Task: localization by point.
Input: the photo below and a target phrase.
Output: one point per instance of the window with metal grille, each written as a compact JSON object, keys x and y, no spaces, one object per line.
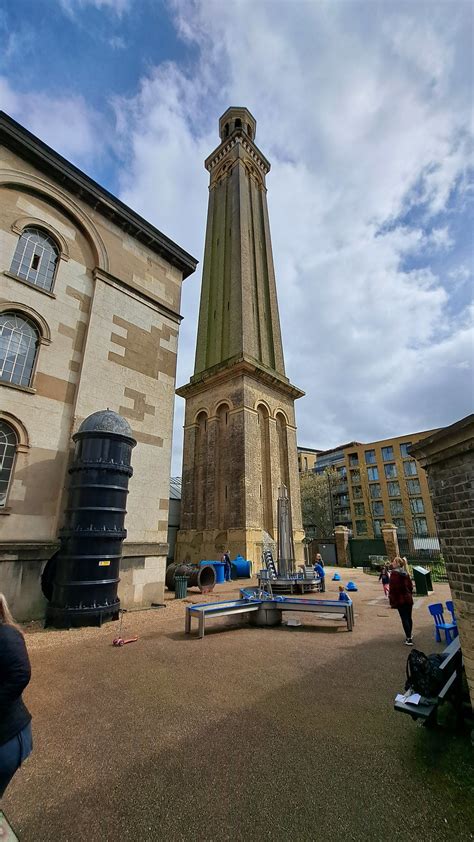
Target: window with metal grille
{"x":390,"y":470}
{"x":353,"y":459}
{"x":18,"y":346}
{"x":370,"y":457}
{"x":375,"y":490}
{"x":359,"y":508}
{"x":361,"y":527}
{"x":35,"y":259}
{"x":387,"y":453}
{"x":8,"y":443}
{"x":393,"y":489}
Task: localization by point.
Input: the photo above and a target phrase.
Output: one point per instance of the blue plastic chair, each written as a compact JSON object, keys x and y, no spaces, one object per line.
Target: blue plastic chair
{"x":450,"y":607}
{"x":436,"y":611}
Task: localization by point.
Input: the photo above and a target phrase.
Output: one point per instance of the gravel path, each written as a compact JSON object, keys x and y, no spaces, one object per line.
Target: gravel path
{"x":249,"y":734}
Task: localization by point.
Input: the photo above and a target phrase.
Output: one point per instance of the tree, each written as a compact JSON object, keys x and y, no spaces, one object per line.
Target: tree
{"x":316,"y":503}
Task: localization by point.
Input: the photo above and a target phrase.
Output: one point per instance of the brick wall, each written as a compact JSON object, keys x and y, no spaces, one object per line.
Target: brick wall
{"x":448,"y":458}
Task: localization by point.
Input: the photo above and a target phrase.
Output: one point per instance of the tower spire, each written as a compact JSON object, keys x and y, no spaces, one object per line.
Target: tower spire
{"x":240,"y":434}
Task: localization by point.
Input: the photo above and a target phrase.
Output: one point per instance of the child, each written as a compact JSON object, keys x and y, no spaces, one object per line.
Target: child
{"x":385,"y":579}
{"x":343,"y":597}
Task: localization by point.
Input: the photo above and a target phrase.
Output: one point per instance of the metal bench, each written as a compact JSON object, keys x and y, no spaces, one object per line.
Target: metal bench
{"x":427,"y":709}
{"x":216,"y":609}
{"x":248,"y":604}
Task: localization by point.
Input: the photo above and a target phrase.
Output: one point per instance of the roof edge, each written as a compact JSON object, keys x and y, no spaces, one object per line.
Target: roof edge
{"x":15,"y":137}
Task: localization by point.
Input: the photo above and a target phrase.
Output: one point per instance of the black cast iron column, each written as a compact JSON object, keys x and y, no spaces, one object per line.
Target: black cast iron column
{"x":86,"y":571}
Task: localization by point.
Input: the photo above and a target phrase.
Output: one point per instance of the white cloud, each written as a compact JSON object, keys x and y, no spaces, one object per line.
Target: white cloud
{"x":67,"y":123}
{"x":117,"y":42}
{"x":118,"y":7}
{"x":363,"y":109}
{"x":363,"y":117}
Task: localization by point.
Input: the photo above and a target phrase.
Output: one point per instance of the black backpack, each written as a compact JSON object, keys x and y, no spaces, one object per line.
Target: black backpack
{"x":424,"y":675}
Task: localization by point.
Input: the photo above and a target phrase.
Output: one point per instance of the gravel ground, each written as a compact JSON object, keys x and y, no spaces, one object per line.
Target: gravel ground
{"x":249,"y":734}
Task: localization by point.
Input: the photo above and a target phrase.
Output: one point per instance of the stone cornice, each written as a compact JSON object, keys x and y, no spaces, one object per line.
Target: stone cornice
{"x":238,"y":137}
{"x":445,"y":444}
{"x":235,"y":368}
{"x":138,"y":293}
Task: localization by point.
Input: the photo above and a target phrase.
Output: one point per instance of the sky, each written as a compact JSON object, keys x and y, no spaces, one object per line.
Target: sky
{"x":364,"y":110}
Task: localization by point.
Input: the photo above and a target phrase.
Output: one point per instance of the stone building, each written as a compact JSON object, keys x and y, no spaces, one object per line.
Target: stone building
{"x":89,"y":317}
{"x":448,"y":459}
{"x":240,"y":432}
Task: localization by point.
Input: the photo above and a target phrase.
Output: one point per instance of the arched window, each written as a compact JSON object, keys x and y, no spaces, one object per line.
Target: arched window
{"x":8,"y":443}
{"x":19,"y":339}
{"x":35,"y":259}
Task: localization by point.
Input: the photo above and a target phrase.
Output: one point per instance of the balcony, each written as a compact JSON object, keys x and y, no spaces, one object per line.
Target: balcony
{"x":339,"y":487}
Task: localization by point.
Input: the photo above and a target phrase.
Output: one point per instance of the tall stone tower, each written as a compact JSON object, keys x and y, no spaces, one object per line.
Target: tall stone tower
{"x":239,"y":430}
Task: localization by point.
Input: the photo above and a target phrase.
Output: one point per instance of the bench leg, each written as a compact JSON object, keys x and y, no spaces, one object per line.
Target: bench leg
{"x":201,"y":624}
{"x":187,"y":622}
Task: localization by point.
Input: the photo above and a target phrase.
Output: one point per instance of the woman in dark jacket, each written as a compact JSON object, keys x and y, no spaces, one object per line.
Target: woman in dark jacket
{"x":401,"y":595}
{"x":15,"y":719}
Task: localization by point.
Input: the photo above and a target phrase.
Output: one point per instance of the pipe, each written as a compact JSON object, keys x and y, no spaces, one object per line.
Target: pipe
{"x":202,"y":577}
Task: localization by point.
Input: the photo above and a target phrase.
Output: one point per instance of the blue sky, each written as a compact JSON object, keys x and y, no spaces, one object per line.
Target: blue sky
{"x":364,"y":110}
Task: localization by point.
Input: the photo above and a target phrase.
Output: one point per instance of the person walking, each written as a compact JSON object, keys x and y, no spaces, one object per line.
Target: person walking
{"x":227,"y":569}
{"x":385,"y":579}
{"x":401,"y":595}
{"x":15,"y":719}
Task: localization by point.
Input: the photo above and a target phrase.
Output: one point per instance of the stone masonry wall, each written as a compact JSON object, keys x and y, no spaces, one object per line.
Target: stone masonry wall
{"x":448,"y":458}
{"x":451,"y":484}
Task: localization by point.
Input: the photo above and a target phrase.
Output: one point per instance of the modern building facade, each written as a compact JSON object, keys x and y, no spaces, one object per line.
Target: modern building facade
{"x":307,"y":458}
{"x":89,"y":318}
{"x":379,"y":482}
{"x":239,"y":432}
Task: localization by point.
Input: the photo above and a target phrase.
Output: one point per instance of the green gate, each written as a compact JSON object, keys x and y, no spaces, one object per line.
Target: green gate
{"x":361,"y":548}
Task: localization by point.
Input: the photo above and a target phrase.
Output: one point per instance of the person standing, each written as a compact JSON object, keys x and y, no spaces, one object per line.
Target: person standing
{"x":385,"y":579}
{"x":15,"y":719}
{"x":227,"y":569}
{"x":319,"y":559}
{"x":401,"y":595}
{"x":319,"y":570}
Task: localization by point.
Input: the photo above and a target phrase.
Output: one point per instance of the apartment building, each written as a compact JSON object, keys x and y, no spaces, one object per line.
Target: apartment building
{"x":379,"y":482}
{"x":307,"y":458}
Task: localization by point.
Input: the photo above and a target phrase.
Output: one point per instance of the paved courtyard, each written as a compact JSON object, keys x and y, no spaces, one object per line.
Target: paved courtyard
{"x":249,"y":734}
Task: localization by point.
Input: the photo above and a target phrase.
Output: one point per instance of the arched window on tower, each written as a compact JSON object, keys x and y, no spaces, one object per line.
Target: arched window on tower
{"x":238,"y":123}
{"x":8,"y":445}
{"x":36,"y":258}
{"x":226,"y":130}
{"x":19,"y":341}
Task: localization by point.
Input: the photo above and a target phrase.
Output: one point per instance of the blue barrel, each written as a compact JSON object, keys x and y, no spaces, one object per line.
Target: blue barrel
{"x":240,"y":568}
{"x":219,"y":567}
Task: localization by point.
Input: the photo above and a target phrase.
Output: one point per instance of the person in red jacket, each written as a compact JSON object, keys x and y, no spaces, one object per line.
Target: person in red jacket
{"x":15,"y":718}
{"x":401,"y":595}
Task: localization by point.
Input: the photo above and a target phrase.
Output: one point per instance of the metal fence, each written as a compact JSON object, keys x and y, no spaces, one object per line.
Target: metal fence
{"x":419,"y":550}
